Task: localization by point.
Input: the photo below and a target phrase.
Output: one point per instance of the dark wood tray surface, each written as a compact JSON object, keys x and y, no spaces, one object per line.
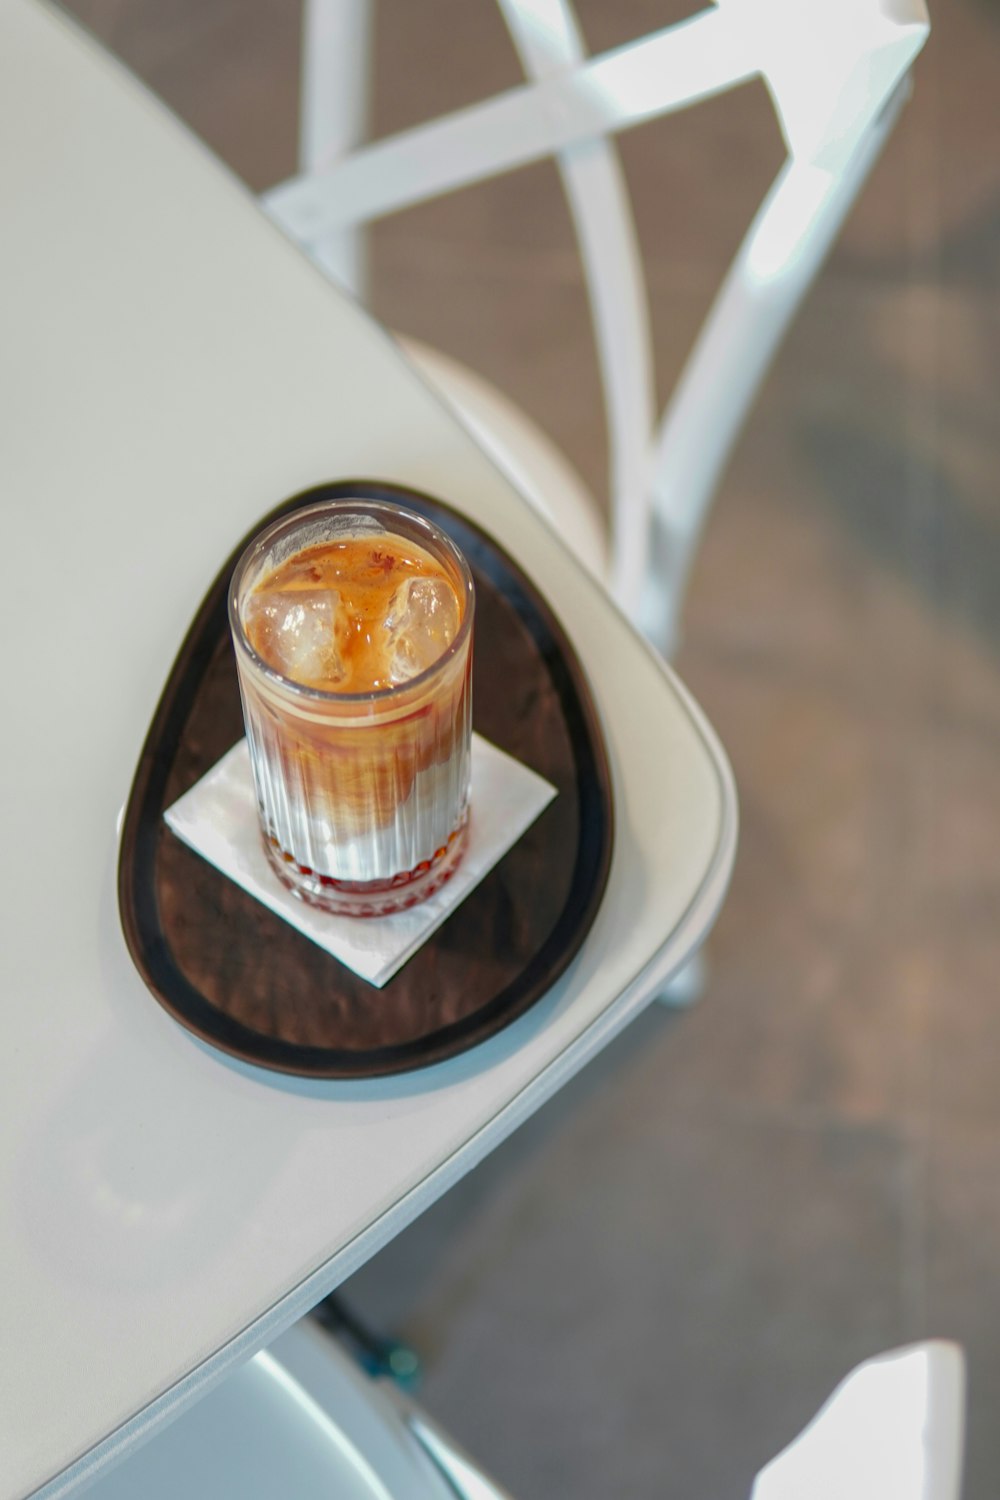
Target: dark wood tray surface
{"x":242,"y":979}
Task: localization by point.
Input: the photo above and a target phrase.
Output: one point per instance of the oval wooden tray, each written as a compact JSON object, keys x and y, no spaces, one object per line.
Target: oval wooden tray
{"x":242,"y":979}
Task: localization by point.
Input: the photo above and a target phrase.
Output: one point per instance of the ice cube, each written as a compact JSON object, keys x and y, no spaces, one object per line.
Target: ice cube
{"x":422,"y":622}
{"x":295,"y":631}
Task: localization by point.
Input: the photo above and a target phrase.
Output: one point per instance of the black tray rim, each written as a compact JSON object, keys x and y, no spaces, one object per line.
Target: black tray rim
{"x":138,"y":909}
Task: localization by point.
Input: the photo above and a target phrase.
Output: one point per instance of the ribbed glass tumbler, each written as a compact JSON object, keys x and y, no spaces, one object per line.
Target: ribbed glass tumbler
{"x":363,"y":796}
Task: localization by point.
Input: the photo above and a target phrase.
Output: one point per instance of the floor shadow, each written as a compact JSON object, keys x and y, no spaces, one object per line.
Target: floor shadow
{"x":912,"y":517}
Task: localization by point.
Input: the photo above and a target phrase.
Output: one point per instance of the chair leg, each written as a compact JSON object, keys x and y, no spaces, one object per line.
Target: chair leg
{"x":337,"y":40}
{"x":688,"y":984}
{"x":375,"y":1352}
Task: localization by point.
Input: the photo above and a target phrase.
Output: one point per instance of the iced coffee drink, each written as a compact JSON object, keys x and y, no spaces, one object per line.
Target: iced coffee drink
{"x":352,"y":621}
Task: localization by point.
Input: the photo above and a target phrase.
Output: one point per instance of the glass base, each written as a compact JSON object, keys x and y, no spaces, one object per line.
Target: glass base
{"x":369,"y":898}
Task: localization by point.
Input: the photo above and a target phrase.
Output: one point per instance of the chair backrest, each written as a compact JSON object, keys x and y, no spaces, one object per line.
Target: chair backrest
{"x":894,"y":1426}
{"x":836,"y":72}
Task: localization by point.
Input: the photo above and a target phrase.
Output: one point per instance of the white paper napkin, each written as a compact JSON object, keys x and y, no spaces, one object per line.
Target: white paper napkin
{"x":218,"y":818}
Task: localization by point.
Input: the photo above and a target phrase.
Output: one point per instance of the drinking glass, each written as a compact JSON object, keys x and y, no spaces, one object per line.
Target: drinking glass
{"x":363,"y":797}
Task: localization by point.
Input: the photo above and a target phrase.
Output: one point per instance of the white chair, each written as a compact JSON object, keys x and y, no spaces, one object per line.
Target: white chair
{"x":836,"y":71}
{"x":893,"y":1427}
{"x":303,"y":1420}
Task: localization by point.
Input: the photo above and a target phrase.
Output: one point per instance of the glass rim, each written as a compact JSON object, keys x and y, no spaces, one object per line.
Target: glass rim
{"x":359,"y":506}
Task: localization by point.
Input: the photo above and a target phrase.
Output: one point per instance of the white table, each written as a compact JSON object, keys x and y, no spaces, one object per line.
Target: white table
{"x":169,"y":368}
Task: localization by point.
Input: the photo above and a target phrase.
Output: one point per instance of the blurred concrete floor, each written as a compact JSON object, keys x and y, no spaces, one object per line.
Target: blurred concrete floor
{"x":653,"y":1285}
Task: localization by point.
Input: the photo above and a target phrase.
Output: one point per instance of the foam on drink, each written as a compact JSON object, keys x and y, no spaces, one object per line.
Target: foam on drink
{"x":354,"y":615}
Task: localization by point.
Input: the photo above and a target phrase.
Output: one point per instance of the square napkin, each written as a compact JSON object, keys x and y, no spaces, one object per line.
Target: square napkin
{"x":217,"y":817}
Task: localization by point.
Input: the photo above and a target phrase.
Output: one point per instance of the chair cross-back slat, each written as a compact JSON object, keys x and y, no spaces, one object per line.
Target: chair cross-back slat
{"x":666,"y":71}
{"x":548,"y":41}
{"x":771,"y":273}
